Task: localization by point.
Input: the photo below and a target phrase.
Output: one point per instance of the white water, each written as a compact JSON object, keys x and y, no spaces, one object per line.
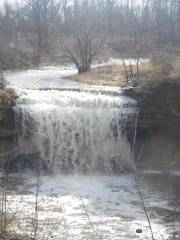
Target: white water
{"x":80,"y":129}
{"x":76,"y":131}
{"x":72,"y":127}
{"x":112,"y":207}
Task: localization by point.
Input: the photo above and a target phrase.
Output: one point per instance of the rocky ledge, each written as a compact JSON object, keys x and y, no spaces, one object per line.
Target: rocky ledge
{"x":7,"y":124}
{"x":158,"y":126}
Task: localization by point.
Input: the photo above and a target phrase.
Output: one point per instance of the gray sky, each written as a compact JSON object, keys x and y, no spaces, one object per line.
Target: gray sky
{"x":21,"y":1}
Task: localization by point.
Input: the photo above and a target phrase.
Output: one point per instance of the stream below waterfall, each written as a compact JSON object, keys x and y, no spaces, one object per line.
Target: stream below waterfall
{"x":82,"y":137}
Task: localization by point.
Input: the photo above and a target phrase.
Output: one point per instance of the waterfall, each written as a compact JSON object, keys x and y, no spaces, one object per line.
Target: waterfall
{"x":75,"y":131}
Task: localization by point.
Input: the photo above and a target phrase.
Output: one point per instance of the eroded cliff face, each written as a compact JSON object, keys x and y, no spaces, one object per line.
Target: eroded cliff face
{"x":158,"y":126}
{"x":7,"y":125}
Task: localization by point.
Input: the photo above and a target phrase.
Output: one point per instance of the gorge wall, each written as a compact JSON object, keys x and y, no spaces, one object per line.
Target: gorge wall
{"x":7,"y":125}
{"x":158,"y":126}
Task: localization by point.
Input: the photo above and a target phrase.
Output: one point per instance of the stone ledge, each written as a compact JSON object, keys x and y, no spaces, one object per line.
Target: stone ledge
{"x":7,"y":124}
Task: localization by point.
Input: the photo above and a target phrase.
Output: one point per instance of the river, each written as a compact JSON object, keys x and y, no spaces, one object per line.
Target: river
{"x":82,"y":137}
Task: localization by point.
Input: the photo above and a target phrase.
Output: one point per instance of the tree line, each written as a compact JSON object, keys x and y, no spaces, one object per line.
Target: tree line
{"x":36,"y":31}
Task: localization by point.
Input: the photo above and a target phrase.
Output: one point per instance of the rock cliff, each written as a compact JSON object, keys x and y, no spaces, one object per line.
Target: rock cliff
{"x":158,"y":126}
{"x":7,"y":124}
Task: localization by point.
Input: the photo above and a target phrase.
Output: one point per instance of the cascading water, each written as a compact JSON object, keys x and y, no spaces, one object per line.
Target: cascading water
{"x":75,"y":128}
{"x":75,"y":131}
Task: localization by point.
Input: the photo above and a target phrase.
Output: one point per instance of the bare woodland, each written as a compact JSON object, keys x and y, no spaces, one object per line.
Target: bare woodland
{"x":40,"y":31}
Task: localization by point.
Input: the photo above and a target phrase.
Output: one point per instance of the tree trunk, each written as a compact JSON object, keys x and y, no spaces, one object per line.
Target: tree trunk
{"x":82,"y":70}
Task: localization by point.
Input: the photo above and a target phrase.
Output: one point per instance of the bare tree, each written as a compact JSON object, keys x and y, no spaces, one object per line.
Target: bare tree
{"x":81,"y":43}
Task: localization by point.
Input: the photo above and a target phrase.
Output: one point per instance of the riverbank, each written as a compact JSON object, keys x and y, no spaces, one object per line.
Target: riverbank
{"x":111,"y":73}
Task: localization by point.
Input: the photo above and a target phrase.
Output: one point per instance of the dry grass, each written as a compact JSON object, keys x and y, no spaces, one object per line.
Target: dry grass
{"x":160,"y":69}
{"x":165,"y":66}
{"x":13,"y":236}
{"x":111,"y":75}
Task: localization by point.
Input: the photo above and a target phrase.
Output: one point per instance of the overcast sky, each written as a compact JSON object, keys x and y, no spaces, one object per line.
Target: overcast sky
{"x":21,"y":1}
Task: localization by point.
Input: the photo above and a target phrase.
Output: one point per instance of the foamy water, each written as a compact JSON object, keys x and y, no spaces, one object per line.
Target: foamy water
{"x":93,"y":207}
{"x":76,"y":131}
